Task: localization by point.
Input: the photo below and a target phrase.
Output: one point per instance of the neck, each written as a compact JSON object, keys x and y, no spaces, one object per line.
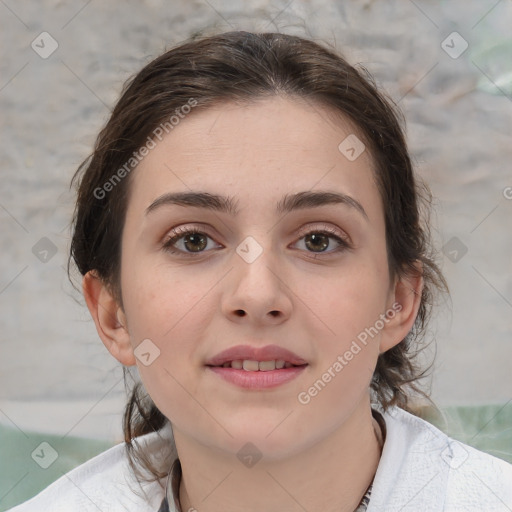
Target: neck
{"x":332,"y":475}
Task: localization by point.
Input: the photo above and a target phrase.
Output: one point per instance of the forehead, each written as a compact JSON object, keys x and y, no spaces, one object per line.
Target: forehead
{"x":260,"y":149}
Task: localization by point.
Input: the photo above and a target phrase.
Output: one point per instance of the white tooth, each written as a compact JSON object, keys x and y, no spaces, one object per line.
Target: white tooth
{"x":288,"y":365}
{"x":267,"y":365}
{"x":279,"y":364}
{"x":250,"y":365}
{"x":237,"y":364}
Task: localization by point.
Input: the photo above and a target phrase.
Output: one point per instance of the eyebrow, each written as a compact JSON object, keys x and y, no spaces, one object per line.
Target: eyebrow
{"x":226,"y":204}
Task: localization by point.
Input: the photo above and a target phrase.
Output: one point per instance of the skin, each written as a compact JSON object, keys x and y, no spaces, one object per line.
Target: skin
{"x":319,"y":456}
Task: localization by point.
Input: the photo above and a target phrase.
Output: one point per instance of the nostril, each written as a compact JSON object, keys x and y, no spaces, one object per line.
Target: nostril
{"x":240,"y":312}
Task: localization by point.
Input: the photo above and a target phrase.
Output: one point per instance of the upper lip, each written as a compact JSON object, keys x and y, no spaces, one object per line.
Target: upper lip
{"x":266,"y":353}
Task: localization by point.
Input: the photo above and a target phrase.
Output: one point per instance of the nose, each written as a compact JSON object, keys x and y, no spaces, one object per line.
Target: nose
{"x":257,"y":291}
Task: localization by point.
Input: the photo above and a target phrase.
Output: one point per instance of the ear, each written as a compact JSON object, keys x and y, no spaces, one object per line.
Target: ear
{"x":109,"y":318}
{"x":403,"y":305}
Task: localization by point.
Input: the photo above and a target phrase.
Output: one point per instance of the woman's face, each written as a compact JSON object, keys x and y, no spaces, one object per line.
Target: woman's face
{"x":267,"y":274}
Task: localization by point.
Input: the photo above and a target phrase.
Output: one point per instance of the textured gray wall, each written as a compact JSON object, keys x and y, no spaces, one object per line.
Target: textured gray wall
{"x":55,"y":373}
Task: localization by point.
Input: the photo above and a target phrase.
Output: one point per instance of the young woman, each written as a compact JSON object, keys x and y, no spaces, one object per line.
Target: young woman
{"x":249,"y":233}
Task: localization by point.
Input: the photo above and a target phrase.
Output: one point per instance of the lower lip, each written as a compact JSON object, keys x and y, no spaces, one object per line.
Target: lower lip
{"x":258,"y":380}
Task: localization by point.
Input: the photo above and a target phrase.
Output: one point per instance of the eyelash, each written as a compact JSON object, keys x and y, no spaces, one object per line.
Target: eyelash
{"x":179,"y":233}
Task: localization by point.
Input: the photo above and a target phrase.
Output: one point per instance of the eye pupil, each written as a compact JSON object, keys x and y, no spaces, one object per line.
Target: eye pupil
{"x":315,"y":238}
{"x":194,"y":238}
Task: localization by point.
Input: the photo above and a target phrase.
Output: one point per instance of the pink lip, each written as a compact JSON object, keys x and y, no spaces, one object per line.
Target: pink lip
{"x":266,"y":353}
{"x":257,"y":379}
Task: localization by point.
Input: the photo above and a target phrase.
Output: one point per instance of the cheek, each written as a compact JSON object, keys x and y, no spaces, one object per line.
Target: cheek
{"x":351,"y":300}
{"x":170,"y":311}
{"x":350,"y":306}
{"x":160,"y":301}
{"x":347,"y":351}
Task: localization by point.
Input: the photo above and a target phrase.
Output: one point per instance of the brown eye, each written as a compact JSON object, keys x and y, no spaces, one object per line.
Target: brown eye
{"x":317,"y":242}
{"x":195,"y":242}
{"x":187,"y":241}
{"x":321,"y":241}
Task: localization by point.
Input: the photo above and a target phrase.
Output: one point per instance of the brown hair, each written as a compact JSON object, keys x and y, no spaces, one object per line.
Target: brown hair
{"x":241,"y":66}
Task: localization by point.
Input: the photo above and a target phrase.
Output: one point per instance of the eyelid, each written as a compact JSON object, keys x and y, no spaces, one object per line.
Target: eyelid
{"x":183,"y":229}
{"x":179,"y":232}
{"x":305,"y":230}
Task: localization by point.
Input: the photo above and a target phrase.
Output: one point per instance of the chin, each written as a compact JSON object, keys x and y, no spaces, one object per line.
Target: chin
{"x":271,"y":443}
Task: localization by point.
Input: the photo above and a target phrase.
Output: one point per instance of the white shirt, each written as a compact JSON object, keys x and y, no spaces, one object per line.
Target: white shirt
{"x":421,"y":469}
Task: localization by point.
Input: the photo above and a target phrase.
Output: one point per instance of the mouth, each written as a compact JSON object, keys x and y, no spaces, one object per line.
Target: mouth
{"x":251,"y":365}
{"x":257,"y":368}
{"x":250,"y":358}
